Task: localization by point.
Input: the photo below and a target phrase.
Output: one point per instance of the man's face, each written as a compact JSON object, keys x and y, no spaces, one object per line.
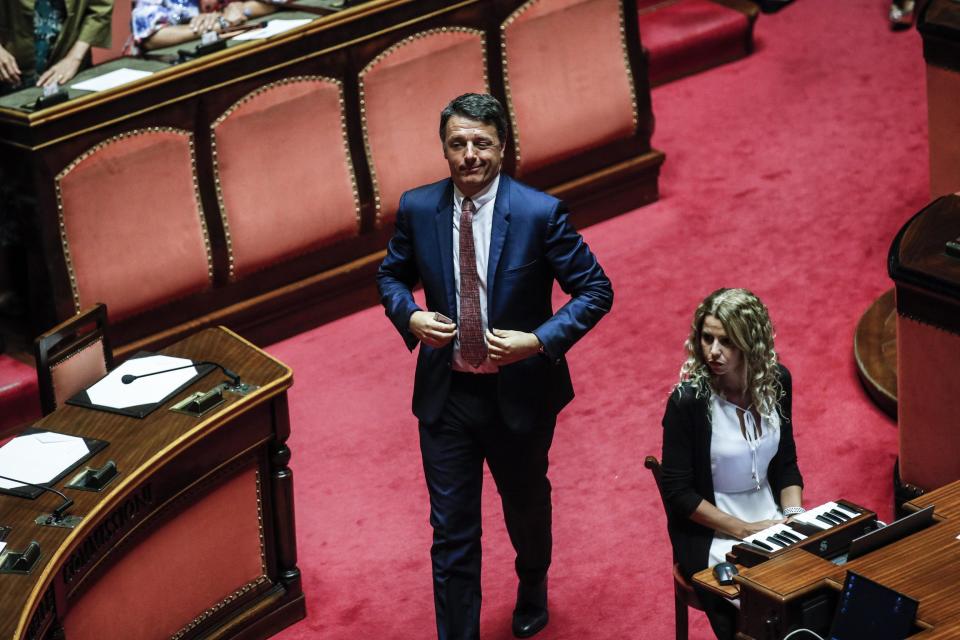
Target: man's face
{"x":474,"y":152}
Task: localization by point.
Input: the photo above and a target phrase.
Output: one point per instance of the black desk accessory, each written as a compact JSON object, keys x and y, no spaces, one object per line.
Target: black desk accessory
{"x":201,"y":50}
{"x":21,"y":562}
{"x":44,"y":101}
{"x":96,"y":480}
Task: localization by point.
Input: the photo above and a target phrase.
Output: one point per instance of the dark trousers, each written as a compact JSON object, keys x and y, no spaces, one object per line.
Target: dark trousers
{"x":469,"y":431}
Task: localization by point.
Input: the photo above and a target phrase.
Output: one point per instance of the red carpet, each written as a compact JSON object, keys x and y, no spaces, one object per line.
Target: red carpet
{"x":788,"y":173}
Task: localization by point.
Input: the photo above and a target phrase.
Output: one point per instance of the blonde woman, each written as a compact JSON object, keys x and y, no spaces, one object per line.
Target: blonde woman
{"x":729,"y":458}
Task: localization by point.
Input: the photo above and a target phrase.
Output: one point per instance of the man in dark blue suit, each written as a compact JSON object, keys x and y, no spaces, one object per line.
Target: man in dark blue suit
{"x":491,"y":375}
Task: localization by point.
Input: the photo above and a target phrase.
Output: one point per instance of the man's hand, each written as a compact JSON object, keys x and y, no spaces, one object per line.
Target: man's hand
{"x":506,"y":347}
{"x":430,"y":331}
{"x":9,"y":69}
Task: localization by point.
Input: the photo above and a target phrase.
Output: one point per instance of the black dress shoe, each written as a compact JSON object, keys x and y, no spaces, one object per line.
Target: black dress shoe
{"x":530,"y":615}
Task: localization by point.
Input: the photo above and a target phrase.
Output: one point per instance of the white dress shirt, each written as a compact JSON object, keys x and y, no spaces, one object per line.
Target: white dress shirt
{"x":482,"y":228}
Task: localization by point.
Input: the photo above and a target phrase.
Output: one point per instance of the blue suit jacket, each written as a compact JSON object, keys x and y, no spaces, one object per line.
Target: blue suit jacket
{"x":531,"y":245}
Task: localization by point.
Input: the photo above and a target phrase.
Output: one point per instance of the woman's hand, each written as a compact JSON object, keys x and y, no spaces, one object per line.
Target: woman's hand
{"x":204,"y":22}
{"x":750,"y":528}
{"x":234,"y":13}
{"x":60,"y":73}
{"x":9,"y":69}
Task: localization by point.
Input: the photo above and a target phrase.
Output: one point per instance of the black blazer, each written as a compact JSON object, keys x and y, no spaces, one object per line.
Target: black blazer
{"x":532,"y":244}
{"x":687,"y":477}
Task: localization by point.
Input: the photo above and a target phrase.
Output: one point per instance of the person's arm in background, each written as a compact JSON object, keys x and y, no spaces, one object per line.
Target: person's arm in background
{"x":239,"y":12}
{"x":9,"y":69}
{"x":94,"y":31}
{"x":233,"y":14}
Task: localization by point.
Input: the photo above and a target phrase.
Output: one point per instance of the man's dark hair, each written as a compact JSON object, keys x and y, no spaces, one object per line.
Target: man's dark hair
{"x":476,"y":106}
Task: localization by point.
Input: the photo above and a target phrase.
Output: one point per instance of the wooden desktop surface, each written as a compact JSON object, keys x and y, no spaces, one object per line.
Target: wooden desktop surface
{"x":142,"y":449}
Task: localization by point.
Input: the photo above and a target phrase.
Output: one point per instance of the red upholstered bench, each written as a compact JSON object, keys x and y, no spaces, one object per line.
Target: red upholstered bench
{"x":19,"y":397}
{"x":687,"y":36}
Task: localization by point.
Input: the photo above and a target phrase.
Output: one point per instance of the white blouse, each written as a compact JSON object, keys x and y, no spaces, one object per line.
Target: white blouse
{"x":739,"y":461}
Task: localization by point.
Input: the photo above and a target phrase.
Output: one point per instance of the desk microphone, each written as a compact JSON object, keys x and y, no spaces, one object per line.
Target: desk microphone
{"x":234,"y":378}
{"x":57,"y":514}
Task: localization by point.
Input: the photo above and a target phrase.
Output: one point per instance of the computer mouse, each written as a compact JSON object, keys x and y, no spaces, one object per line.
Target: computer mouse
{"x":724,"y":572}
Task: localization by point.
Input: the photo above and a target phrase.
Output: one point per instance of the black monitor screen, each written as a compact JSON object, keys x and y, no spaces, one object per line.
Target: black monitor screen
{"x":870,"y":610}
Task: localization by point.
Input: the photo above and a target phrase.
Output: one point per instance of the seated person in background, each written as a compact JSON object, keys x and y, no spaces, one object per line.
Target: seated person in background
{"x":43,"y":42}
{"x":729,"y":459}
{"x":163,"y":23}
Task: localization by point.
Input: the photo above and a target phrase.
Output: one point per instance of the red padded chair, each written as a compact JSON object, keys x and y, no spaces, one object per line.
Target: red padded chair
{"x":130,"y":215}
{"x":119,"y":32}
{"x":583,"y":43}
{"x":683,"y":594}
{"x":427,"y":69}
{"x":277,"y":209}
{"x":72,"y":356}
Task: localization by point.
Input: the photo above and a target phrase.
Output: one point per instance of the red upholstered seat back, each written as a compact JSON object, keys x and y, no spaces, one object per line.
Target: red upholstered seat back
{"x":184,"y":571}
{"x":559,"y":58}
{"x":134,"y":262}
{"x":402,"y":93}
{"x":284,"y":174}
{"x":77,"y":371}
{"x":119,"y":32}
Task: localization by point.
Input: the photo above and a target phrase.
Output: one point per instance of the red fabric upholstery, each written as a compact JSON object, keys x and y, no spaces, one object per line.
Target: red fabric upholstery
{"x":19,"y":402}
{"x":115,"y":254}
{"x":403,"y":91}
{"x":928,"y":384}
{"x":689,"y":35}
{"x":277,"y":209}
{"x":119,"y":32}
{"x":187,"y":566}
{"x":77,"y":371}
{"x":588,"y":101}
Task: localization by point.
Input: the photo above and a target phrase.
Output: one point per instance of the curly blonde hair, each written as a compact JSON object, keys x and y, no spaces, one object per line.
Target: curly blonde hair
{"x":747,"y":323}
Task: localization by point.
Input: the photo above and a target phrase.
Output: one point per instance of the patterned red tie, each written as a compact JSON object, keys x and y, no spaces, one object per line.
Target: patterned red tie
{"x":473,"y":348}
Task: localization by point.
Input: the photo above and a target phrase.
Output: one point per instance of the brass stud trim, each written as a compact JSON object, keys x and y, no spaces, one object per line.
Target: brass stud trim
{"x":224,"y":217}
{"x":363,"y":101}
{"x":64,"y":241}
{"x":511,"y":111}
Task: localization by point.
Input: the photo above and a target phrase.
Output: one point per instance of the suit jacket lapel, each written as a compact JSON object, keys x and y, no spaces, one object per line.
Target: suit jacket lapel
{"x":498,"y":237}
{"x":444,"y":226}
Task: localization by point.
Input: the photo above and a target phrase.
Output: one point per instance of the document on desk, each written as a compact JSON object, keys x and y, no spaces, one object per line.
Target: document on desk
{"x":111,"y":80}
{"x":111,"y":391}
{"x":40,"y":457}
{"x":273,"y":28}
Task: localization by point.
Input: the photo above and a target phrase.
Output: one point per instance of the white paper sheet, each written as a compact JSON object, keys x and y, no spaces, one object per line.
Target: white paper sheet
{"x":111,"y":80}
{"x":112,"y":392}
{"x":39,"y":457}
{"x":3,"y":545}
{"x":273,"y":28}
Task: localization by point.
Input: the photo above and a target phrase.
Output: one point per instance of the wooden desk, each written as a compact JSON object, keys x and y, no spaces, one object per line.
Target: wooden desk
{"x":194,"y":538}
{"x":799,"y":589}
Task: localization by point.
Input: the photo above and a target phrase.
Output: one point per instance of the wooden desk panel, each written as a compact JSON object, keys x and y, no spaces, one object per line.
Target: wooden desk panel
{"x":168,"y":462}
